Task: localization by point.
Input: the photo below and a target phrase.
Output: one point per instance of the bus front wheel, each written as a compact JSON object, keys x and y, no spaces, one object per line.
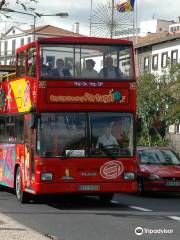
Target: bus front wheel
{"x":106,"y":198}
{"x":21,"y":196}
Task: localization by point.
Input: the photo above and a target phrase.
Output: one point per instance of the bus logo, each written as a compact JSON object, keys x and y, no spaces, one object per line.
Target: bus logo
{"x":111,"y":169}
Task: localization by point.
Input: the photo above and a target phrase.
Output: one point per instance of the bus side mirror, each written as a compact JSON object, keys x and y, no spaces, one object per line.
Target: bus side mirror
{"x":33,"y":120}
{"x":138,"y":124}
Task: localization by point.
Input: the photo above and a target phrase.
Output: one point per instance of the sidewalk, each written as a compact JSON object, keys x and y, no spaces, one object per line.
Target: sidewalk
{"x":12,"y":230}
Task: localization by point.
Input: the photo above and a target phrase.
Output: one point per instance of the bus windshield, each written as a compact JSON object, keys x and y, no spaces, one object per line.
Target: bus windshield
{"x":85,"y":134}
{"x":86,"y":61}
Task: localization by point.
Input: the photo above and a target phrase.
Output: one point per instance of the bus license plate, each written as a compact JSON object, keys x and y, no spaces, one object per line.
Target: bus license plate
{"x":173,"y":183}
{"x":89,"y":188}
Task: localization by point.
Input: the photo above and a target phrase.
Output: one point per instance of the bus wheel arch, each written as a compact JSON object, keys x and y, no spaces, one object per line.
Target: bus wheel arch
{"x":15,"y":170}
{"x":20,"y":194}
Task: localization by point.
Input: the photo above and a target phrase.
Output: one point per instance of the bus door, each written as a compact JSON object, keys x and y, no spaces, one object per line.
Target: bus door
{"x":28,"y":153}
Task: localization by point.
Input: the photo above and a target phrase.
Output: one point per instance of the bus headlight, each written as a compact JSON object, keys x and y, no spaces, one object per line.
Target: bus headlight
{"x":129,"y":176}
{"x":46,"y":176}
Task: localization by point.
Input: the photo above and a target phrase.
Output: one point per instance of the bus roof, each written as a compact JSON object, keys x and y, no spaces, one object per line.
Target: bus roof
{"x":85,"y":40}
{"x":70,"y":39}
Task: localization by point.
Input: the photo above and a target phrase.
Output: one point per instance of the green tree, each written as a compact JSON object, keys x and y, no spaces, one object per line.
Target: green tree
{"x":158,"y":104}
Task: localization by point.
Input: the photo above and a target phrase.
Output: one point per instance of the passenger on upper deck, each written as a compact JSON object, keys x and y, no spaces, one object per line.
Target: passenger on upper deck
{"x":49,"y":66}
{"x":60,"y":71}
{"x":109,"y":71}
{"x":88,"y":71}
{"x":43,"y":66}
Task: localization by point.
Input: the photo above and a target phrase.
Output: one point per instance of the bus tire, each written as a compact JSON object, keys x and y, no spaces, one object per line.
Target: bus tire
{"x":140,"y":184}
{"x":106,"y":198}
{"x":22,"y":197}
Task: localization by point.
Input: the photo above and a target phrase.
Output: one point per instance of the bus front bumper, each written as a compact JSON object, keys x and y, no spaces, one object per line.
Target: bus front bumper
{"x":59,"y":188}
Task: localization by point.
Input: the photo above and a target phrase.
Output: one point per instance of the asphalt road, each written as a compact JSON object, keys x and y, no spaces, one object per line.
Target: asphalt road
{"x":157,"y":216}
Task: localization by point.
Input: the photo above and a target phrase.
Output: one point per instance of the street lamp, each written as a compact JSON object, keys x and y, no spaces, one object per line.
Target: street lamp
{"x":35,"y":15}
{"x":57,"y":14}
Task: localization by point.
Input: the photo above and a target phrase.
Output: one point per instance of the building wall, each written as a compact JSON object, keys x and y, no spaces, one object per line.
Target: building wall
{"x":163,"y":26}
{"x":168,"y":47}
{"x":174,"y":141}
{"x":158,"y":49}
{"x":148,"y":26}
{"x":154,"y":26}
{"x":10,"y":54}
{"x":142,"y":54}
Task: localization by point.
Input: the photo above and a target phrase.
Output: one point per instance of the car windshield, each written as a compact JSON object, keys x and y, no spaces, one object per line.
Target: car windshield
{"x":85,"y":134}
{"x":158,"y":156}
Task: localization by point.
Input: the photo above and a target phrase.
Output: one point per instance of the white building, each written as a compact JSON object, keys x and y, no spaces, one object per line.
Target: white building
{"x":154,"y":53}
{"x":154,"y":26}
{"x":16,"y":37}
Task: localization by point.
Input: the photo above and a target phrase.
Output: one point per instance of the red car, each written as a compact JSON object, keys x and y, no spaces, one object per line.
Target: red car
{"x":159,"y":170}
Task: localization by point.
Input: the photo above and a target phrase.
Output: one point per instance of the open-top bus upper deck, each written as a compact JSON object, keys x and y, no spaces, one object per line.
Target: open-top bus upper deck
{"x":42,"y":87}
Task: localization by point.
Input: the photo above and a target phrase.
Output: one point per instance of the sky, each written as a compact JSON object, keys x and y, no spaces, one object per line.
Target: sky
{"x":79,"y":11}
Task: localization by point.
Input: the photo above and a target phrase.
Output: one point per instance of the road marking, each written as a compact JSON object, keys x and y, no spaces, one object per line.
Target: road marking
{"x":141,"y":209}
{"x":174,"y":218}
{"x":115,"y":202}
{"x":134,"y":207}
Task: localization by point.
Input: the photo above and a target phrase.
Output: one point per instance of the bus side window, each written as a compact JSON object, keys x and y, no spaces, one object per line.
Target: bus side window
{"x":32,"y":70}
{"x":10,"y":128}
{"x":31,"y":64}
{"x":21,"y":64}
{"x":2,"y":129}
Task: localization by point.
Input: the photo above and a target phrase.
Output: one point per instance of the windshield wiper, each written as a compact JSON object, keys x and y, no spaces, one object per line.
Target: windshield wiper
{"x":66,"y":155}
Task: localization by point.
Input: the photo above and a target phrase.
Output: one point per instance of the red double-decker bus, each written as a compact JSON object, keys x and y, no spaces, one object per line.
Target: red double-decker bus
{"x":67,"y":118}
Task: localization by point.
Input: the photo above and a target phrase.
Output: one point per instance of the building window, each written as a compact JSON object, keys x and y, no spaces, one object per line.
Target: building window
{"x":13,"y":47}
{"x":155,"y":62}
{"x":171,"y":128}
{"x":164,"y":59}
{"x":22,"y":41}
{"x":174,"y":57}
{"x":11,"y":128}
{"x":171,"y":29}
{"x":146,"y":63}
{"x":5,"y":48}
{"x":28,"y":39}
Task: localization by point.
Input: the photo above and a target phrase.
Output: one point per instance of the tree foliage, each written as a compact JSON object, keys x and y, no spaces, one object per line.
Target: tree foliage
{"x":24,"y":4}
{"x":158,"y":104}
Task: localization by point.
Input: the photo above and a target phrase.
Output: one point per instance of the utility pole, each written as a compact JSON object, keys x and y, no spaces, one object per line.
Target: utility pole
{"x":112,"y":20}
{"x":90,"y":30}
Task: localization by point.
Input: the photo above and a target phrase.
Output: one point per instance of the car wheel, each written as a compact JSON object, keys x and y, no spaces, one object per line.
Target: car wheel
{"x":21,"y":196}
{"x":140,"y":186}
{"x":106,"y":198}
